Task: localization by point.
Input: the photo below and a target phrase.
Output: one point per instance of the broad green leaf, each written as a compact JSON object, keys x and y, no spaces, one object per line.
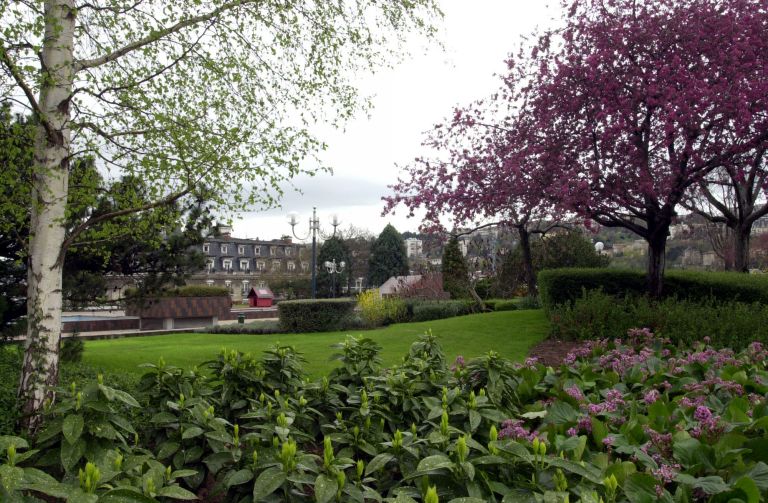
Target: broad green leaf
{"x":378,"y":462}
{"x":561,"y":413}
{"x":8,"y":440}
{"x":640,"y":488}
{"x":432,"y":463}
{"x":125,"y":495}
{"x":750,"y":489}
{"x":325,"y":488}
{"x":176,"y":492}
{"x":72,"y":453}
{"x":192,"y":432}
{"x":267,"y":482}
{"x":238,"y":477}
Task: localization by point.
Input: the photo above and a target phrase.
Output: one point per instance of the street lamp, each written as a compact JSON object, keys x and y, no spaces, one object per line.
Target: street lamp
{"x":599,"y":247}
{"x":314,"y":229}
{"x":334,"y":269}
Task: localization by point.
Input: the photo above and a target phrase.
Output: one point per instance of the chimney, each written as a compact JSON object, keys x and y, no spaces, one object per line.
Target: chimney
{"x":225,"y":231}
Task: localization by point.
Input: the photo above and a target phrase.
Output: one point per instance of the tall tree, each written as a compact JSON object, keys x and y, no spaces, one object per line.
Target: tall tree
{"x":329,"y":284}
{"x":638,"y":101}
{"x":177,"y":93}
{"x":484,"y":171}
{"x":734,"y":196}
{"x":455,"y":270}
{"x":388,"y":257}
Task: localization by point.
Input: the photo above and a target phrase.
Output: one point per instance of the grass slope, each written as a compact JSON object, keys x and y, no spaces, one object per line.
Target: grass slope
{"x":510,"y":333}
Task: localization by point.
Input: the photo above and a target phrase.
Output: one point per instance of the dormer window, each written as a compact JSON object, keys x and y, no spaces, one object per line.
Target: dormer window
{"x":209,"y":264}
{"x":275,"y":265}
{"x":261,"y":265}
{"x":245,"y":265}
{"x":223,"y":248}
{"x":241,"y":250}
{"x":206,"y":248}
{"x":227,"y":264}
{"x":272,"y":250}
{"x":257,"y":250}
{"x":287,"y":251}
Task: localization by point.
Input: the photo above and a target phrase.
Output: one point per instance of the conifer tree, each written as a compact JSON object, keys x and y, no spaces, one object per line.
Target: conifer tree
{"x":455,"y":271}
{"x":388,"y":257}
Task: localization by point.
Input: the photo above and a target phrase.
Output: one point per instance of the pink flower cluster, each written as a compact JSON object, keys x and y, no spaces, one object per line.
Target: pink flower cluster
{"x":713,"y":383}
{"x":709,"y":423}
{"x":514,"y":429}
{"x":575,"y":393}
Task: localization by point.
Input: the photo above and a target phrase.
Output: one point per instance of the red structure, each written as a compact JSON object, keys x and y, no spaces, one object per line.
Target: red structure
{"x":260,"y":297}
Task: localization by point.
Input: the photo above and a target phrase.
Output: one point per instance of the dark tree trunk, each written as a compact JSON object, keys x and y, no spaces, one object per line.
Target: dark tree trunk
{"x":657,"y":245}
{"x":741,"y":247}
{"x":530,"y":274}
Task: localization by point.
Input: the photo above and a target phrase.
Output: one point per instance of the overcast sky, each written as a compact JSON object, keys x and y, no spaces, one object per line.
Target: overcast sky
{"x":477,"y":35}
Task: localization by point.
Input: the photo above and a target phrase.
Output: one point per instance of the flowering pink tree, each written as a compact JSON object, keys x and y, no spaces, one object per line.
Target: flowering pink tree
{"x":638,"y":100}
{"x":482,"y":172}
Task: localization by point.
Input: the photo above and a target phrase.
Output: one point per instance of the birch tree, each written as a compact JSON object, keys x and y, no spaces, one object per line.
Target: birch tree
{"x":220,"y":93}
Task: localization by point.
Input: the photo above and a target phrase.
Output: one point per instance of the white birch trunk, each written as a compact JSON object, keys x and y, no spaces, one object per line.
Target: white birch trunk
{"x":47,"y":226}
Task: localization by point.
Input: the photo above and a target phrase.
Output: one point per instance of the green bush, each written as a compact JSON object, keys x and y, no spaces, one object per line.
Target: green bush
{"x":597,"y":315}
{"x":438,"y":310}
{"x":72,"y":349}
{"x":259,"y":327}
{"x":185,"y":291}
{"x":314,"y":315}
{"x":376,"y":311}
{"x":560,"y":286}
{"x":10,"y":365}
{"x":505,"y":305}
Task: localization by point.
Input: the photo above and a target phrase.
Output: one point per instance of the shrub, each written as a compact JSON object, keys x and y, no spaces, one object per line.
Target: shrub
{"x":505,"y":305}
{"x":376,"y":310}
{"x":313,"y":315}
{"x":10,"y":365}
{"x":599,"y":315}
{"x":259,"y":327}
{"x":184,"y":291}
{"x":438,"y":310}
{"x":559,"y":286}
{"x":72,"y":349}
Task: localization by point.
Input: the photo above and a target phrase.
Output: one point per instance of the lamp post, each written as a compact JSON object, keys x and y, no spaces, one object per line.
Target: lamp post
{"x":334,"y":269}
{"x":314,"y":227}
{"x":599,"y":247}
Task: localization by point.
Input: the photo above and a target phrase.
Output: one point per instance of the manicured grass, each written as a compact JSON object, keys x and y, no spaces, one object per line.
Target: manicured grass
{"x":510,"y":333}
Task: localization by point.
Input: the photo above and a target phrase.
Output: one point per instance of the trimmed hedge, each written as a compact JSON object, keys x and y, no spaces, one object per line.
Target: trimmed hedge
{"x":562,"y":286}
{"x":596,"y":315}
{"x":185,"y":291}
{"x":323,"y":315}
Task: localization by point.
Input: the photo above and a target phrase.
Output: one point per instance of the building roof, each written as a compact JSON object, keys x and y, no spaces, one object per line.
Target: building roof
{"x":261,"y":293}
{"x":395,"y":283}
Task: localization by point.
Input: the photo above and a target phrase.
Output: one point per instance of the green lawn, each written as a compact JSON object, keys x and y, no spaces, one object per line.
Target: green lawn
{"x":510,"y":333}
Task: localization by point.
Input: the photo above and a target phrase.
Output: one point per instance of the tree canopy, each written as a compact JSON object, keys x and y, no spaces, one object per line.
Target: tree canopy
{"x":388,"y":257}
{"x":455,"y":271}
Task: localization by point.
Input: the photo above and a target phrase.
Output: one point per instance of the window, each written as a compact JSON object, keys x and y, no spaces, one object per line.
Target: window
{"x":304,"y":266}
{"x":226,"y":264}
{"x":287,"y":251}
{"x":241,"y":250}
{"x":223,"y":248}
{"x":257,"y":250}
{"x":272,"y":251}
{"x":275,"y":265}
{"x":206,"y":248}
{"x":245,"y":265}
{"x":228,"y":284}
{"x":262,"y":284}
{"x":246,"y":286}
{"x":209,"y":282}
{"x":261,"y":265}
{"x":291,"y":266}
{"x":209,"y":264}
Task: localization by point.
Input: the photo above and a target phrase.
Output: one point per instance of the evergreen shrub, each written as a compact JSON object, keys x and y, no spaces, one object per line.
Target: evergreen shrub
{"x":321,"y":315}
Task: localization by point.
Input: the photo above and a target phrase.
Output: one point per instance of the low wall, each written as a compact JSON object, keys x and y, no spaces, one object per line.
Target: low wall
{"x":70,"y":327}
{"x":253,"y":314}
{"x":181,"y":307}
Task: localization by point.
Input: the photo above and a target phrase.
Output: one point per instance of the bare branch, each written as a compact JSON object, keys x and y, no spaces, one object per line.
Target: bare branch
{"x":14,"y":71}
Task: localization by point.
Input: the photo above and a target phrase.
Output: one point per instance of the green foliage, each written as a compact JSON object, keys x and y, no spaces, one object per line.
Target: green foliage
{"x":254,"y":327}
{"x":388,"y":257}
{"x":72,"y":349}
{"x":622,"y":421}
{"x":313,"y":315}
{"x":597,"y":315}
{"x":559,"y":286}
{"x":439,"y":309}
{"x":377,"y":311}
{"x":184,"y":291}
{"x":570,"y":249}
{"x":455,"y":271}
{"x":330,"y":285}
{"x":10,"y":365}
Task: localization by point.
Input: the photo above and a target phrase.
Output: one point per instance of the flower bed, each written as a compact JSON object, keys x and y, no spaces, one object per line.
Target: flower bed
{"x":632,"y":419}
